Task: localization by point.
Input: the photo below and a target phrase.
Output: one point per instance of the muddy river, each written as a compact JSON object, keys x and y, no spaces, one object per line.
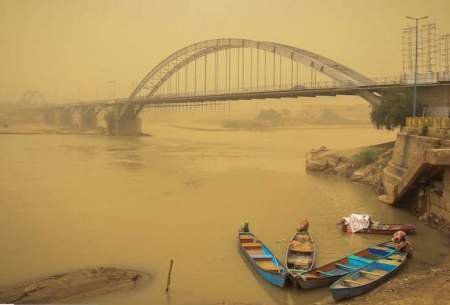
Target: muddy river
{"x":69,"y":202}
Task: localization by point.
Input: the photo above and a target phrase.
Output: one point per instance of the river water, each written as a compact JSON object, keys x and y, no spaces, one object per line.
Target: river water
{"x":70,"y":202}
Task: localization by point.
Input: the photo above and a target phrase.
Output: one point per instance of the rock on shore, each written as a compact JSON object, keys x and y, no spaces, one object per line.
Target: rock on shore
{"x":336,"y":163}
{"x":73,"y":285}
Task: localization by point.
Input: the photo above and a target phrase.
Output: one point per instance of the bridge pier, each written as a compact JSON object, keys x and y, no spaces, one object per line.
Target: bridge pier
{"x":48,"y":116}
{"x":436,"y":100}
{"x":64,"y":117}
{"x":88,"y":118}
{"x":123,"y":120}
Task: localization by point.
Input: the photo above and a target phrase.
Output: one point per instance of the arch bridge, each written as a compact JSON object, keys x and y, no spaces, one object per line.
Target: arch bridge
{"x":235,"y":69}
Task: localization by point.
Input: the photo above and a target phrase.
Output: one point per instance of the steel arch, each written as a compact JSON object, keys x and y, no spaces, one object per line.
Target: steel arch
{"x":342,"y":74}
{"x":32,"y":98}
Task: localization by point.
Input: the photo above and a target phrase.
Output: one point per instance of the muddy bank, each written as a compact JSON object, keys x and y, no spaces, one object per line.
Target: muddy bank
{"x":73,"y":286}
{"x":362,"y":165}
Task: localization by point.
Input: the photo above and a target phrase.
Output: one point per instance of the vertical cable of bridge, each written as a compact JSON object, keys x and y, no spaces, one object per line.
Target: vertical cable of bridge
{"x":206,"y":54}
{"x":243,"y":64}
{"x":217,"y":65}
{"x":185,"y":79}
{"x":315,"y":78}
{"x":178,"y":83}
{"x":273,"y":76}
{"x":311,"y":80}
{"x":280,"y":70}
{"x":296,"y":62}
{"x":265,"y":69}
{"x":226,"y":70}
{"x":228,"y":80}
{"x":292,"y":69}
{"x":195,"y":71}
{"x":257,"y":67}
{"x":238,"y":67}
{"x":251,"y":67}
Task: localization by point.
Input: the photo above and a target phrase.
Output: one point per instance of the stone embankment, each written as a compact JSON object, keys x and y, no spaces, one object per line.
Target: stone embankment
{"x":345,"y":164}
{"x":73,"y":285}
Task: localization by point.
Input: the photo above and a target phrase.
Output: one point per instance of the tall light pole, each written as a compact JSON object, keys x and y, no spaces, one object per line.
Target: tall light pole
{"x":415,"y":61}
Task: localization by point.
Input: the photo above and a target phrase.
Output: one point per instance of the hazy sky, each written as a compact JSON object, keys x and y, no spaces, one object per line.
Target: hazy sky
{"x":63,"y":47}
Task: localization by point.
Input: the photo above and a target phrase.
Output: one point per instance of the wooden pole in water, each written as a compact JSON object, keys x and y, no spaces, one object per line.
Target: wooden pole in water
{"x":169,"y":275}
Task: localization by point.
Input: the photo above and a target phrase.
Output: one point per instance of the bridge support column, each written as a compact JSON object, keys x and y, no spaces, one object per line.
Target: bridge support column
{"x":48,"y":116}
{"x":64,"y":117}
{"x":88,"y":118}
{"x":123,"y":120}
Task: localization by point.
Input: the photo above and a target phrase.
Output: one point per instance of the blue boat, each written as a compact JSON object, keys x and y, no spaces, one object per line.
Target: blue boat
{"x":262,"y":260}
{"x":327,"y":274}
{"x":361,"y":281}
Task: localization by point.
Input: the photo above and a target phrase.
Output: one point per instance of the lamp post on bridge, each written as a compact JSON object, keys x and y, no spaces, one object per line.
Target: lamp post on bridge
{"x":415,"y":61}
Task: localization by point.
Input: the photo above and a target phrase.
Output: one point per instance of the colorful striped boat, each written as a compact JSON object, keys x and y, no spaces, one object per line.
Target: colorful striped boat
{"x":327,"y":274}
{"x":361,"y":281}
{"x":262,"y":260}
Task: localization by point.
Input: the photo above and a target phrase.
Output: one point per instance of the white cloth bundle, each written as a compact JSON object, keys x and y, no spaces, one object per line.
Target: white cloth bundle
{"x":357,"y":222}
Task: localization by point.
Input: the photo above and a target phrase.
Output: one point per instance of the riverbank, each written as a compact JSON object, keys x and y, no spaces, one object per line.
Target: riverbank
{"x":429,"y":287}
{"x":362,"y":165}
{"x":73,"y":286}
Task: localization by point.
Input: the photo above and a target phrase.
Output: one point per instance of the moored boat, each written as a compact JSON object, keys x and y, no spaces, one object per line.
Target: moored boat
{"x":262,"y":260}
{"x":301,"y":253}
{"x":327,"y":274}
{"x":388,"y":229}
{"x":362,"y":223}
{"x":361,"y":281}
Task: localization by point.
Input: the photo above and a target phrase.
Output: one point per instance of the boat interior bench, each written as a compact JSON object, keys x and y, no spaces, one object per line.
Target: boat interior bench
{"x":346,"y":267}
{"x":333,"y":272}
{"x":361,"y":259}
{"x":251,"y":245}
{"x":261,"y":256}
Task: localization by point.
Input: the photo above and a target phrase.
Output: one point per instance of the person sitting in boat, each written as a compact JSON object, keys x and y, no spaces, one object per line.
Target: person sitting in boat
{"x":304,"y":224}
{"x":244,"y":227}
{"x":401,"y":241}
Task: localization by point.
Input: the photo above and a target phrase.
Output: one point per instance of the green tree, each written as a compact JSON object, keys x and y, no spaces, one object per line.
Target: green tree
{"x":393,"y":110}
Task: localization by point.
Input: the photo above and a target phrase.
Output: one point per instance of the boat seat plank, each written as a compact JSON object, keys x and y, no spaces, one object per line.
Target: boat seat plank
{"x":352,"y":282}
{"x":261,"y":256}
{"x":325,"y":273}
{"x":251,"y":245}
{"x":346,"y":266}
{"x":359,"y":258}
{"x":268,"y":266}
{"x":389,"y":262}
{"x":369,"y":273}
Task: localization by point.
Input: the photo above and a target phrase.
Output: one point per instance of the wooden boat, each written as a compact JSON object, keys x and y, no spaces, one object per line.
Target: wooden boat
{"x":301,"y":253}
{"x":262,"y":260}
{"x":388,"y":229}
{"x":327,"y":274}
{"x":361,"y":281}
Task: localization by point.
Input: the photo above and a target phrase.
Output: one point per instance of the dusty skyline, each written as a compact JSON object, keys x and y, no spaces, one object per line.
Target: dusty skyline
{"x":72,"y":49}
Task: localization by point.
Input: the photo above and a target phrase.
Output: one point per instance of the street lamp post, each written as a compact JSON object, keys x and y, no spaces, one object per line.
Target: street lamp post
{"x":415,"y":62}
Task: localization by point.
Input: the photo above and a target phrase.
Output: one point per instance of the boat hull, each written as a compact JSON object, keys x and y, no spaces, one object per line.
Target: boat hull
{"x":349,"y":292}
{"x":300,"y":260}
{"x":275,"y":278}
{"x":314,"y":279}
{"x":388,"y":229}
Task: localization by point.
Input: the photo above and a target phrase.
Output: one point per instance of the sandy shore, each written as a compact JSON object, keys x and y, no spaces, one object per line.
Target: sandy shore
{"x":73,"y":286}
